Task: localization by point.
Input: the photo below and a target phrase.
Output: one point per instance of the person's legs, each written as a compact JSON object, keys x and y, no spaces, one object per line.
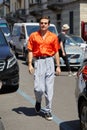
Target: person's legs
{"x":65,"y":58}
{"x":44,"y":82}
{"x":49,"y":83}
{"x":39,"y":83}
{"x":49,"y":92}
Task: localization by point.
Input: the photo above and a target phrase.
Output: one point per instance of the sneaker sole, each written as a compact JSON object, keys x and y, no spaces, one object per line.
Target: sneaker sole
{"x":49,"y":118}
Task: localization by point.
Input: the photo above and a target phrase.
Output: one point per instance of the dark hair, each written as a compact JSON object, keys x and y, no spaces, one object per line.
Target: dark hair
{"x":45,"y":17}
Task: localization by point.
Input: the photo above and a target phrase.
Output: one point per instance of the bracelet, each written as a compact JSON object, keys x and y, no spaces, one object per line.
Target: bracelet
{"x":30,"y":62}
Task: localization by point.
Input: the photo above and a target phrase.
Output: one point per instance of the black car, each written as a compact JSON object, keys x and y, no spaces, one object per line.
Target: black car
{"x":9,"y":68}
{"x":81,"y":95}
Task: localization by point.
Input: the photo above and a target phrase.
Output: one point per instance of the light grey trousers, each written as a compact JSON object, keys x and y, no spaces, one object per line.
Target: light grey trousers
{"x":44,"y":81}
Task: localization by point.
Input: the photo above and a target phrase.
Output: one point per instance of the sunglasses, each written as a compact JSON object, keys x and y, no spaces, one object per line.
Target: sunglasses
{"x":43,"y":23}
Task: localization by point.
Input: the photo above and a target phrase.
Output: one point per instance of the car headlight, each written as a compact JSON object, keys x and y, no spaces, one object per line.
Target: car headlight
{"x":11,"y":62}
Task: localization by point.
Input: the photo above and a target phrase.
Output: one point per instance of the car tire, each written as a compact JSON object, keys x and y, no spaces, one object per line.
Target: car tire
{"x":8,"y":89}
{"x":26,"y":58}
{"x":15,"y":52}
{"x":1,"y":126}
{"x":83,"y":116}
{"x":14,"y":88}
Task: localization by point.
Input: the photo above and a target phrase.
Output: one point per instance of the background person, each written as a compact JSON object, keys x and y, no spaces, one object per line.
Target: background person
{"x":62,"y":52}
{"x":43,"y":46}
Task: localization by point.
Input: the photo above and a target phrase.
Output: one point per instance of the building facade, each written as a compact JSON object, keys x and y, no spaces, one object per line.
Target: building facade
{"x":72,"y":12}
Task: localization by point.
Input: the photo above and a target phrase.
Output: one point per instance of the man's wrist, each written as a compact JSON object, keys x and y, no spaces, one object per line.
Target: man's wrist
{"x":58,"y":65}
{"x":30,"y":63}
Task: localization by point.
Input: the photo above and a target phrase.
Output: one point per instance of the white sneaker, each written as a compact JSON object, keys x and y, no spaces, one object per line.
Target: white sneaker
{"x":48,"y":116}
{"x":70,"y":73}
{"x":75,"y":73}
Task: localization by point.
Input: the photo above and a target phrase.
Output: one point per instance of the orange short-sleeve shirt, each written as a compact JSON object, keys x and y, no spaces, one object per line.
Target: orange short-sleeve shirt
{"x":43,"y":47}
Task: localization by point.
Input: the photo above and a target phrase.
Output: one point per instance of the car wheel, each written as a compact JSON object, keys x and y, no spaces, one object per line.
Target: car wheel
{"x":1,"y":126}
{"x":83,"y":116}
{"x":14,"y":88}
{"x":13,"y":49}
{"x":8,"y":89}
{"x":26,"y":58}
{"x":15,"y":52}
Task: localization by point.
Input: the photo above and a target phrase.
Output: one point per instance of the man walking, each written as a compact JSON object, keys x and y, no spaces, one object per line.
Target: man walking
{"x":43,"y":47}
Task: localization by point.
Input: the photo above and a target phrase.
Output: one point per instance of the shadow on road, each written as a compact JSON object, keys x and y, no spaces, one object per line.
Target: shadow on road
{"x":70,"y":125}
{"x":27,"y":111}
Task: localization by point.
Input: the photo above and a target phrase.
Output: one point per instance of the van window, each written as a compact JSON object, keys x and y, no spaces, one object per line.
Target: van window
{"x":16,"y":31}
{"x":53,"y":29}
{"x":31,"y":29}
{"x":22,"y":33}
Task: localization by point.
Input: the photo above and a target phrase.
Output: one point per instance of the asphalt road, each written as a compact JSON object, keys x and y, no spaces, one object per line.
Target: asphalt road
{"x":17,"y":109}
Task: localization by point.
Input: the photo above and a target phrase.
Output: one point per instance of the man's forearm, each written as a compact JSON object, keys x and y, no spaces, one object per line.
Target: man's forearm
{"x":57,"y":59}
{"x":62,"y":48}
{"x":30,"y":57}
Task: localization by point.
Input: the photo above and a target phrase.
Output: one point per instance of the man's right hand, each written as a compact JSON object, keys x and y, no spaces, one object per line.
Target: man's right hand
{"x":58,"y":71}
{"x":63,"y":53}
{"x":31,"y":69}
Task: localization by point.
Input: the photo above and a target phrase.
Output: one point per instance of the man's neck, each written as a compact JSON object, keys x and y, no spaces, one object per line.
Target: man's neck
{"x":43,"y":32}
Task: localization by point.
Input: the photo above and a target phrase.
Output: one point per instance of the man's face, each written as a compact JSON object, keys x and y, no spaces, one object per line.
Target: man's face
{"x":44,"y":24}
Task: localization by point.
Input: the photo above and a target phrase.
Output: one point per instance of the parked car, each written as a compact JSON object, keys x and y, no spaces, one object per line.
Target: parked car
{"x":81,"y":95}
{"x":9,"y":68}
{"x":20,"y":35}
{"x":74,"y":52}
{"x":80,"y":42}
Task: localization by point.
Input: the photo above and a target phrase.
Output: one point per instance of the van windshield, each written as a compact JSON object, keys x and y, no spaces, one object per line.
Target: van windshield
{"x":32,"y":28}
